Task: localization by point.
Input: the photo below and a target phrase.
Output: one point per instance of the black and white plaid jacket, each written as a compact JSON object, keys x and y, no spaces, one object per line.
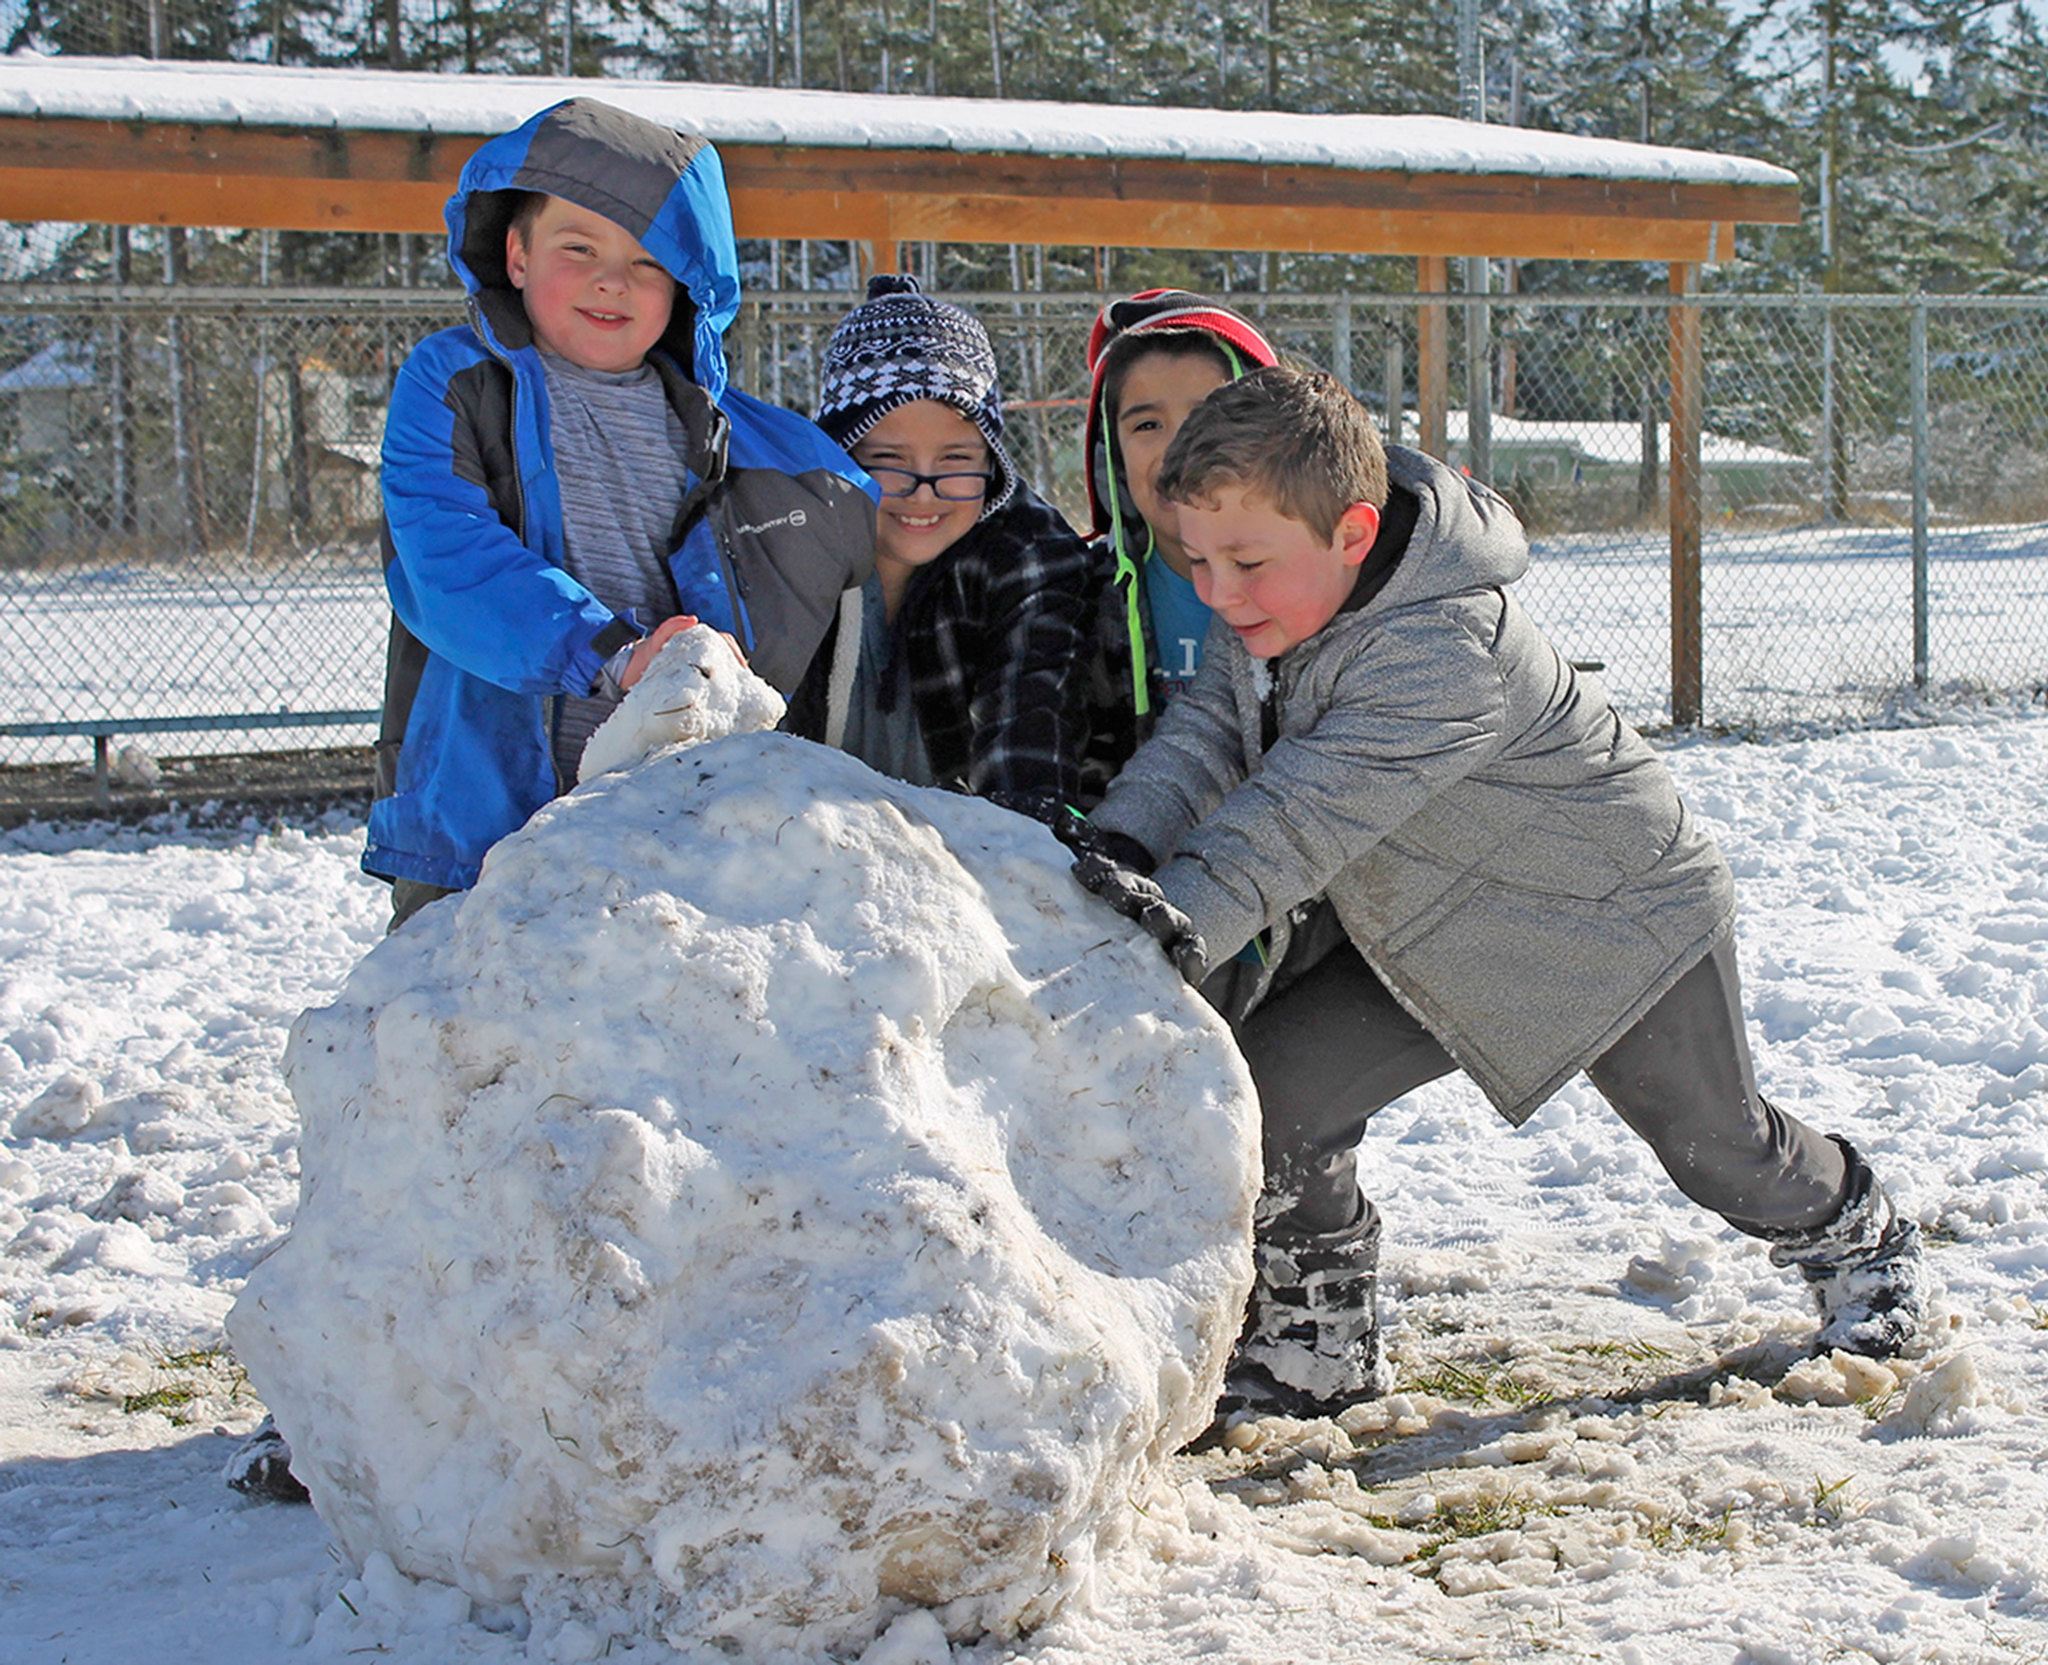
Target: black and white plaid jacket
{"x":999,"y":634}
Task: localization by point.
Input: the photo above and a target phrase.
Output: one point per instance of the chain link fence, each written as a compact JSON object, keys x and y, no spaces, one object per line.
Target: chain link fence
{"x":190,"y":578}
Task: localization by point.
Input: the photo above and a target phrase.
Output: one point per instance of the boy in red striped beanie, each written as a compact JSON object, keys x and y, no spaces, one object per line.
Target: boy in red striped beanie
{"x":1153,"y":357}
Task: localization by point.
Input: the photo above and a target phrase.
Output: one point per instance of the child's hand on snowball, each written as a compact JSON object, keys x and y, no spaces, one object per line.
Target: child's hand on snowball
{"x":652,"y":643}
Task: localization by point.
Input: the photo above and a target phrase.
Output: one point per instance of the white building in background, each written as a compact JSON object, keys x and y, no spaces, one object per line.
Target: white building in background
{"x":48,"y":401}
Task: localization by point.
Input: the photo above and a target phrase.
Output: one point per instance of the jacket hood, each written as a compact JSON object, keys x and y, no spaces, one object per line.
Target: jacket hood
{"x":665,"y":187}
{"x":1465,"y":538}
{"x":1155,"y":312}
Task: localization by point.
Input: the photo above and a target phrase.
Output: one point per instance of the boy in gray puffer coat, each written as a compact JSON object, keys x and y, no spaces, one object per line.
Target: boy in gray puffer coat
{"x":1451,"y":853}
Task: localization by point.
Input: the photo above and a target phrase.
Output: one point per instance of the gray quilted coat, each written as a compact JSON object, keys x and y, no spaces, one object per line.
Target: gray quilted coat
{"x":1510,"y":856}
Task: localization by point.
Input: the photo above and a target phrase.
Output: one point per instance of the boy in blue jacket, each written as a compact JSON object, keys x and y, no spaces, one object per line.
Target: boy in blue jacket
{"x":568,"y":480}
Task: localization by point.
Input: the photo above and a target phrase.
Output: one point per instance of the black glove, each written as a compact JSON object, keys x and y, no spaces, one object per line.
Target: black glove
{"x":1085,"y":838}
{"x":1075,"y":830}
{"x":1138,"y":898}
{"x":1043,"y":807}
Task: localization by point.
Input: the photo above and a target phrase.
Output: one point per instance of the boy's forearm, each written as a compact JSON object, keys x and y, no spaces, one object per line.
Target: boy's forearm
{"x":533,"y":632}
{"x":1225,"y":911}
{"x":1323,"y":801}
{"x":1147,"y":810}
{"x":1176,"y":779}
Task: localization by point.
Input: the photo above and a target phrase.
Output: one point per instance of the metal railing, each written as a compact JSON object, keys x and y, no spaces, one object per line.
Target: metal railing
{"x":188,"y":500}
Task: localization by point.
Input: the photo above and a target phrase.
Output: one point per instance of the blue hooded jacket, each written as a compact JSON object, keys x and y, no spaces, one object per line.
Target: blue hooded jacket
{"x":489,"y":627}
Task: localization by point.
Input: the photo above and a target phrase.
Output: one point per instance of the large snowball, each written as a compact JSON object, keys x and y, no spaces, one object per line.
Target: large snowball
{"x":773,"y":1199}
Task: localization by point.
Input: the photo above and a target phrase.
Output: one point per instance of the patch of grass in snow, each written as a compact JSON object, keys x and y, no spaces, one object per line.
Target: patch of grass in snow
{"x":170,"y":1400}
{"x":1677,"y":1536}
{"x":191,"y":1378}
{"x":1478,"y":1518}
{"x":1637,"y":1362}
{"x":1830,"y":1504}
{"x":1617,"y":1369}
{"x":1633,"y":1352}
{"x":1476,"y":1383}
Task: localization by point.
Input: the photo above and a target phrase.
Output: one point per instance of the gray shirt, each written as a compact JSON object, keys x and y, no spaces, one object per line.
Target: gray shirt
{"x":618,"y":449}
{"x":887,"y":740}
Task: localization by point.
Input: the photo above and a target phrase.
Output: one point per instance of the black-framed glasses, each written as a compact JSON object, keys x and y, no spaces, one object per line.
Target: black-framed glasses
{"x":948,"y":488}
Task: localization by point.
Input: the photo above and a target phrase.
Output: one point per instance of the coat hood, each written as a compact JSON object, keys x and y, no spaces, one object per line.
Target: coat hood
{"x":665,"y":187}
{"x":1465,"y":538}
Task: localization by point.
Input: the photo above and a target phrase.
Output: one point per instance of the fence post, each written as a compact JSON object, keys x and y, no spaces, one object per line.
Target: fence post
{"x":1396,"y":379}
{"x":1340,"y":341}
{"x":187,"y":455}
{"x":1687,"y":638}
{"x":1479,"y":371}
{"x":1432,"y":356}
{"x":1833,"y":509}
{"x":121,"y":402}
{"x":750,"y":346}
{"x":1918,"y":352}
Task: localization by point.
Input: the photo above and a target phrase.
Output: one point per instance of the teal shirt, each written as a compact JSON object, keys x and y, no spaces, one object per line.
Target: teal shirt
{"x":1180,"y":623}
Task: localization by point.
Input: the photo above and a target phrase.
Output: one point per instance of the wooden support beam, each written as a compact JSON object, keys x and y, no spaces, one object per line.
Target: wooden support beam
{"x":1432,"y":357}
{"x":145,"y":173}
{"x":1688,"y":672}
{"x":1119,"y":222}
{"x":1016,"y":177}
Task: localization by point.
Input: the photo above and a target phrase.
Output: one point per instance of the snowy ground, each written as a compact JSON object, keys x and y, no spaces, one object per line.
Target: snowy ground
{"x":1807,"y":624}
{"x":1605,"y":1444}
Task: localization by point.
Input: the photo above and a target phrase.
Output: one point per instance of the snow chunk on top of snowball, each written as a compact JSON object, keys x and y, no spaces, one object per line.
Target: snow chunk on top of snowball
{"x":687,"y":695}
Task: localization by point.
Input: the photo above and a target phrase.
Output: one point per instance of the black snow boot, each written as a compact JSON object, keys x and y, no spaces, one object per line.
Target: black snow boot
{"x":1311,"y":1342}
{"x":262,"y":1466}
{"x":1865,"y":1266}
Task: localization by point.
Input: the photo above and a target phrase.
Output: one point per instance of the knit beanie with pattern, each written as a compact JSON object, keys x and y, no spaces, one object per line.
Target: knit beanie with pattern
{"x":900,"y":345}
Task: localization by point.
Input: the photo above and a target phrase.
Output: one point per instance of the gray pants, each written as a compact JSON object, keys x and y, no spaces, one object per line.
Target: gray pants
{"x":408,"y":896}
{"x":1334,"y":1045}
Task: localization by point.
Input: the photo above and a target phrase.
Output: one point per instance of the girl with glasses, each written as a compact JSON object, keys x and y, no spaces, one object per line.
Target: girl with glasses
{"x":962,"y":662}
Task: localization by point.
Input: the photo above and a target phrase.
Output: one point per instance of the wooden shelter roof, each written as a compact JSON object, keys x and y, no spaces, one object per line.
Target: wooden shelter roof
{"x":139,"y":142}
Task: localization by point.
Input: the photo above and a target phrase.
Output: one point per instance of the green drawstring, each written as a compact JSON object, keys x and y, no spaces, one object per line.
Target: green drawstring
{"x":1126,"y":568}
{"x":1126,"y":575}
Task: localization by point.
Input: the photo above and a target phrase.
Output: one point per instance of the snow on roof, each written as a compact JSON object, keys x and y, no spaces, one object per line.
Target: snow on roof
{"x":255,"y":95}
{"x":60,"y":367}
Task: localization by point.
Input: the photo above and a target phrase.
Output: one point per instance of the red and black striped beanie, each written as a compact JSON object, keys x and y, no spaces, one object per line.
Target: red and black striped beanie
{"x":1156,"y":311}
